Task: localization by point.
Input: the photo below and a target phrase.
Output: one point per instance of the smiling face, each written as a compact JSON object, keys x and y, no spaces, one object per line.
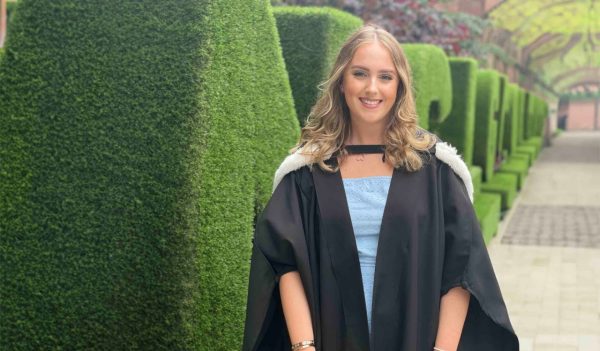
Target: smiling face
{"x":370,"y":85}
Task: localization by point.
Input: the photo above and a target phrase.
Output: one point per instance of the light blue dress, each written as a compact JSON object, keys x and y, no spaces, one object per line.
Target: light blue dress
{"x":366,"y":201}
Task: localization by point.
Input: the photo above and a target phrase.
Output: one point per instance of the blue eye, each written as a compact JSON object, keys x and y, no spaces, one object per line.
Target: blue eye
{"x":359,"y":74}
{"x":387,"y":77}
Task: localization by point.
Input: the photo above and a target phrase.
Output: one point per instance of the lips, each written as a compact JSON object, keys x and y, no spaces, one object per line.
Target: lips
{"x":370,"y":103}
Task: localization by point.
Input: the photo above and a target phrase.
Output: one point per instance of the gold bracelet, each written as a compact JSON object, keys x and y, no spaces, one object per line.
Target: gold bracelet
{"x":303,"y":345}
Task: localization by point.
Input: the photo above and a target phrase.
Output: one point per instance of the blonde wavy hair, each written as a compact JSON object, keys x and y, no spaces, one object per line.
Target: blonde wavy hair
{"x":328,"y":124}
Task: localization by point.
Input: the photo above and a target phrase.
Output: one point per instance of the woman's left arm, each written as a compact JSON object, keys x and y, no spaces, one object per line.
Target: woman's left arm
{"x":453,"y":311}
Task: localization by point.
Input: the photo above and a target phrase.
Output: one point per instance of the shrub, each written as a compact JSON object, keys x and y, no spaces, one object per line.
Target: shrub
{"x":136,"y":143}
{"x":502,"y":114}
{"x":431,"y":82}
{"x":311,"y":38}
{"x":511,"y":120}
{"x":486,"y":108}
{"x":459,"y":127}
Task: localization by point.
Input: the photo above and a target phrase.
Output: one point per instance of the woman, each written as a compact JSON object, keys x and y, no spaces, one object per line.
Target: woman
{"x":370,"y":241}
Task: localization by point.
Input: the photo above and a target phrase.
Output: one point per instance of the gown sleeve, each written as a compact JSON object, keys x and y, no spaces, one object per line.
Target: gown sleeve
{"x":467,"y":264}
{"x":277,"y":239}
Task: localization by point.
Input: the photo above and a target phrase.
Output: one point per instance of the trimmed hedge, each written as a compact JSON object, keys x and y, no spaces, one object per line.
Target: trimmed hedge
{"x":510,"y":139}
{"x":522,"y":148}
{"x":505,"y":185}
{"x":486,"y":124}
{"x":502,"y":114}
{"x":489,"y":113}
{"x":476,"y":177}
{"x":530,"y":114}
{"x":487,"y":206}
{"x":311,"y":38}
{"x":516,"y":163}
{"x":530,"y":151}
{"x":519,"y":97}
{"x":523,"y":115}
{"x":11,"y":6}
{"x":536,"y":115}
{"x":544,"y":112}
{"x":10,"y":9}
{"x":541,"y":114}
{"x":431,"y":82}
{"x":458,"y":128}
{"x":132,"y":133}
{"x":487,"y":209}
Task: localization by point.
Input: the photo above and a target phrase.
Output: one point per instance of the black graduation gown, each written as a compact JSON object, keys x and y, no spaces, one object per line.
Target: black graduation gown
{"x":429,"y":242}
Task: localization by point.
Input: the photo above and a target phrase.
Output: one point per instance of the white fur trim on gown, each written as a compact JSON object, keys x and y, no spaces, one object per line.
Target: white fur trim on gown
{"x":443,"y":151}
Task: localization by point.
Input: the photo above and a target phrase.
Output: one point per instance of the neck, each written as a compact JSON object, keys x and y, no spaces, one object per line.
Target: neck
{"x":365,"y":135}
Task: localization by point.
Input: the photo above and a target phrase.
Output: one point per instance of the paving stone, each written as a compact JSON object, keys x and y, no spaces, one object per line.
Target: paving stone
{"x":547,"y":252}
{"x":574,"y":147}
{"x":572,"y":226}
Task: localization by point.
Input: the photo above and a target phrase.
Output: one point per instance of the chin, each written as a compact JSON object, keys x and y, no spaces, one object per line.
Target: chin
{"x":372,"y":120}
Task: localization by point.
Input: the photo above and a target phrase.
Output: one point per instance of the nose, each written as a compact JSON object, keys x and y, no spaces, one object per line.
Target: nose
{"x":371,"y":88}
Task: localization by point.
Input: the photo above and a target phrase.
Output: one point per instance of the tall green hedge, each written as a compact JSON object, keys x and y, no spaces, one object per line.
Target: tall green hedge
{"x":486,"y":123}
{"x":311,"y":38}
{"x":431,"y":82}
{"x":520,"y":156}
{"x":539,"y":113}
{"x":137,"y":141}
{"x":524,"y":110}
{"x":521,"y":113}
{"x":10,"y":8}
{"x":10,"y":11}
{"x":502,"y":113}
{"x":535,"y":117}
{"x":511,"y":121}
{"x":492,"y":102}
{"x":533,"y":124}
{"x":528,"y":115}
{"x":459,"y":127}
{"x":523,"y":146}
{"x":543,"y":115}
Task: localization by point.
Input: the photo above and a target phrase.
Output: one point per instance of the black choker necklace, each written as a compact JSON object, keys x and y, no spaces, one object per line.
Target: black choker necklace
{"x":365,"y":149}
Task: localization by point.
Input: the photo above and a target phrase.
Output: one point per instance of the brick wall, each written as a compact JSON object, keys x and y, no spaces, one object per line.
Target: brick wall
{"x":583,"y":115}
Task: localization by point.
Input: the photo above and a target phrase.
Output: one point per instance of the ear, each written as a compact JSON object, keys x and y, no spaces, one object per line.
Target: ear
{"x":342,"y":88}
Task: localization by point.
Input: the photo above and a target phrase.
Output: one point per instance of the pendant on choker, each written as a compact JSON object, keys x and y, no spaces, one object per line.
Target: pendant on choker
{"x":359,"y":151}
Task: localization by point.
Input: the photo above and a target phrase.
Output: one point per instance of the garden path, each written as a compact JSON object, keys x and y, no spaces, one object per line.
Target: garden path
{"x":547,"y":251}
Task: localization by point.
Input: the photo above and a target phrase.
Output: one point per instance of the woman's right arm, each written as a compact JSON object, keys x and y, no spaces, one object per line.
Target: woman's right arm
{"x":295,"y":308}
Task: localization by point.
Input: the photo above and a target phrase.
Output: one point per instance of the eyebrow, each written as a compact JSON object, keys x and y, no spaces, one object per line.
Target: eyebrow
{"x":381,"y":71}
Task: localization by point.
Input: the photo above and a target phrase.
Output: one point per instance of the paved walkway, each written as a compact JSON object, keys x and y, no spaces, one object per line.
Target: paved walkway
{"x":547,"y":251}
